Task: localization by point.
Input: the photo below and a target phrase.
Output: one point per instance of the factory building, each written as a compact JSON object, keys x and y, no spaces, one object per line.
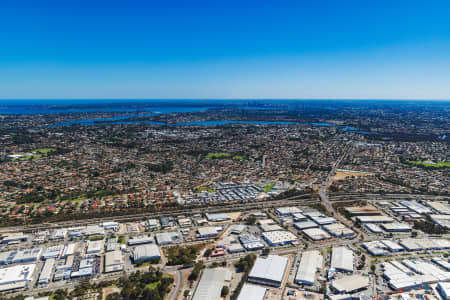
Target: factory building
{"x":252,"y":292}
{"x":113,"y":261}
{"x":287,"y":211}
{"x":95,"y":247}
{"x":342,"y":259}
{"x":350,"y":284}
{"x":310,"y":263}
{"x":396,"y":227}
{"x":316,"y":234}
{"x":338,"y":230}
{"x":16,"y":277}
{"x":46,"y":272}
{"x":374,"y":219}
{"x":208,"y":232}
{"x":140,"y":240}
{"x":305,"y":225}
{"x":166,"y":238}
{"x":145,"y":252}
{"x":279,"y":238}
{"x":251,"y":242}
{"x":217,"y":217}
{"x":269,"y":271}
{"x":211,"y":283}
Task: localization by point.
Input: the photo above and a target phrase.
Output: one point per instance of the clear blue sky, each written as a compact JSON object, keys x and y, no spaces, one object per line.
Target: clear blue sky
{"x":225,"y":49}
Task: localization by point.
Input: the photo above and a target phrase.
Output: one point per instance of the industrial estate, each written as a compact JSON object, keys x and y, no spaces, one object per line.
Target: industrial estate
{"x":256,"y":203}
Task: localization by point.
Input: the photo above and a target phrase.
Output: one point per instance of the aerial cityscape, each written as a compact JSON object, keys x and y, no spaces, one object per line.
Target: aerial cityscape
{"x":224,"y":150}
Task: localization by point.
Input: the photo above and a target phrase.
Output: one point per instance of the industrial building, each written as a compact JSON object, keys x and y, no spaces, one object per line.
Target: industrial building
{"x":46,"y":272}
{"x":444,"y":290}
{"x":323,"y":219}
{"x":251,"y":242}
{"x":207,"y":232}
{"x":166,"y":238}
{"x":146,"y":252}
{"x":27,"y":255}
{"x":217,"y":217}
{"x":269,"y":271}
{"x":367,"y":210}
{"x":338,"y":230}
{"x":14,"y":237}
{"x":95,"y":247}
{"x":342,"y":259}
{"x":237,"y":229}
{"x":441,"y":220}
{"x":113,"y":261}
{"x":211,"y":283}
{"x":69,"y":250}
{"x":374,"y":219}
{"x":396,"y":227}
{"x":86,"y":268}
{"x":114,"y":226}
{"x":279,"y":238}
{"x":392,"y":246}
{"x":140,"y":240}
{"x":350,"y":284}
{"x":316,"y":234}
{"x":53,"y":252}
{"x":305,"y":225}
{"x":373,"y":228}
{"x":310,"y":263}
{"x":287,"y":211}
{"x":375,"y":248}
{"x":439,"y":207}
{"x":235,"y":248}
{"x":16,"y":277}
{"x":252,"y":292}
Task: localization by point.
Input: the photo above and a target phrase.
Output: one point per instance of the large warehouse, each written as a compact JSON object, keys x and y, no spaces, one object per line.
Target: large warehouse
{"x":252,"y":292}
{"x":279,"y":238}
{"x":146,"y":252}
{"x":342,"y":259}
{"x":350,"y":284}
{"x":16,"y":277}
{"x":113,"y":261}
{"x":211,"y":283}
{"x":310,"y":263}
{"x":269,"y":271}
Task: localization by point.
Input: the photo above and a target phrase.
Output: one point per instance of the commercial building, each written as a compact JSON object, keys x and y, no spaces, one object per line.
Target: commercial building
{"x":146,"y":252}
{"x":140,"y":239}
{"x":167,"y":238}
{"x":211,"y":283}
{"x":46,"y":272}
{"x":316,"y":234}
{"x":310,"y":263}
{"x":252,"y":292}
{"x":279,"y":238}
{"x":350,"y":284}
{"x":342,"y":259}
{"x":113,"y":261}
{"x":269,"y":271}
{"x":16,"y":277}
{"x":338,"y":230}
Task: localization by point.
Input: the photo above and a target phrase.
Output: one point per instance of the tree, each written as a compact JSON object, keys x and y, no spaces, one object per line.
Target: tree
{"x":225,"y":291}
{"x":373,"y":268}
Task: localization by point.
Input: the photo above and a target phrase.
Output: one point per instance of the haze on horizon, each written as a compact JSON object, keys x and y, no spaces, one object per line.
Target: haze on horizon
{"x":225,"y":49}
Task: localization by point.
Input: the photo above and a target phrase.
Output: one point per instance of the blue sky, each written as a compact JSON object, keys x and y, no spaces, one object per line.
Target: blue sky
{"x":225,"y":49}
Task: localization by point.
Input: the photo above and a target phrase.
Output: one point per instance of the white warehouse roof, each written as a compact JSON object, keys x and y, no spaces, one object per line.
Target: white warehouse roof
{"x":310,"y":263}
{"x":211,"y":283}
{"x":342,"y":259}
{"x":252,"y":292}
{"x":269,"y":270}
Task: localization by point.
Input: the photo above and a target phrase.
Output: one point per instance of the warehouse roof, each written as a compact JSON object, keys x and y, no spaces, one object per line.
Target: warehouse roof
{"x":342,"y":259}
{"x":252,"y":292}
{"x":271,"y":268}
{"x":146,"y":251}
{"x":352,"y":283}
{"x":310,"y":262}
{"x":211,"y":283}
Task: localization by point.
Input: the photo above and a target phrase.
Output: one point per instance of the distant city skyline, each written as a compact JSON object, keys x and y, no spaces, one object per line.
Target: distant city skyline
{"x":225,"y":50}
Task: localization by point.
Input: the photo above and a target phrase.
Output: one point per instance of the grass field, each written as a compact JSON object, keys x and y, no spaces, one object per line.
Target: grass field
{"x":269,"y":188}
{"x":220,"y":155}
{"x":439,"y":164}
{"x":38,"y":153}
